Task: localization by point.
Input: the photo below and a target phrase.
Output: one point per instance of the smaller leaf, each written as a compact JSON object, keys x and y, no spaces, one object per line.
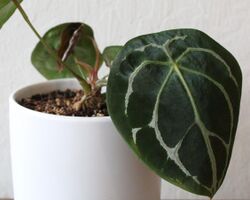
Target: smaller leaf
{"x":70,"y":37}
{"x":74,"y":44}
{"x":110,"y":53}
{"x":7,"y":8}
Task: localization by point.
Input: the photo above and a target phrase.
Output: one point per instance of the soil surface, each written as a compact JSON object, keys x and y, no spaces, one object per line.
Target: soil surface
{"x":67,"y":103}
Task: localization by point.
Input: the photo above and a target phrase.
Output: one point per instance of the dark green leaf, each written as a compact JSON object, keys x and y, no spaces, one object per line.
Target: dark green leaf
{"x":75,"y":45}
{"x":175,"y":96}
{"x":110,"y":53}
{"x":7,"y":8}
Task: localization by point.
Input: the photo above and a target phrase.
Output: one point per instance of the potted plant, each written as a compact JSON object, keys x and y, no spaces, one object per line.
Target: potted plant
{"x":174,"y":96}
{"x":65,"y":157}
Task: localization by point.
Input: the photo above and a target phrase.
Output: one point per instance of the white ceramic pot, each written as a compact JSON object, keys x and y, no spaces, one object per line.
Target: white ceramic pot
{"x":72,"y":158}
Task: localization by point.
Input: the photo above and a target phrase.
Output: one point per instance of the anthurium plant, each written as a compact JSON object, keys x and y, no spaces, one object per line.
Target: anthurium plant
{"x":174,"y":96}
{"x":67,"y":50}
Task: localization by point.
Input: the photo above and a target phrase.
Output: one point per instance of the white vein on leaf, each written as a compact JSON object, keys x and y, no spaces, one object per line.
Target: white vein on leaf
{"x":215,"y":55}
{"x":230,"y":106}
{"x":132,"y":77}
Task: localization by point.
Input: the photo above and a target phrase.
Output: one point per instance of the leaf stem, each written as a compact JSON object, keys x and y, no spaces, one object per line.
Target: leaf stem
{"x":84,"y":84}
{"x":27,"y":20}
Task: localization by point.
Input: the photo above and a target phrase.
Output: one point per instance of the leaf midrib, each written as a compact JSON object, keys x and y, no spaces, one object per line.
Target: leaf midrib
{"x":200,"y":125}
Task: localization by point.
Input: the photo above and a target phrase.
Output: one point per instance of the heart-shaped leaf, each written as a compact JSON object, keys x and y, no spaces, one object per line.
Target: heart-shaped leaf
{"x":174,"y":96}
{"x":74,"y":44}
{"x":110,"y":53}
{"x":7,"y":8}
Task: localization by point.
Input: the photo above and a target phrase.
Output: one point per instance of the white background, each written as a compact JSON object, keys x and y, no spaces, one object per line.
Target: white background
{"x":115,"y":22}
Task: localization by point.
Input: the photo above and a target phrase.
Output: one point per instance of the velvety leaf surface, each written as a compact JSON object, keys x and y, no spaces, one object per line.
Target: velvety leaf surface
{"x":7,"y":8}
{"x":110,"y":53}
{"x":174,"y":96}
{"x":74,"y":44}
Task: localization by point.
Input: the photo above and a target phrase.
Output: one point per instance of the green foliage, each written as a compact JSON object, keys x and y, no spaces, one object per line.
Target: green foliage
{"x":75,"y":45}
{"x":174,"y":96}
{"x":110,"y":53}
{"x":7,"y":8}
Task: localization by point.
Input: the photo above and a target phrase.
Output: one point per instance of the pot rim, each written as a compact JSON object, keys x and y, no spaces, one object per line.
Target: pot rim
{"x":12,"y":100}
